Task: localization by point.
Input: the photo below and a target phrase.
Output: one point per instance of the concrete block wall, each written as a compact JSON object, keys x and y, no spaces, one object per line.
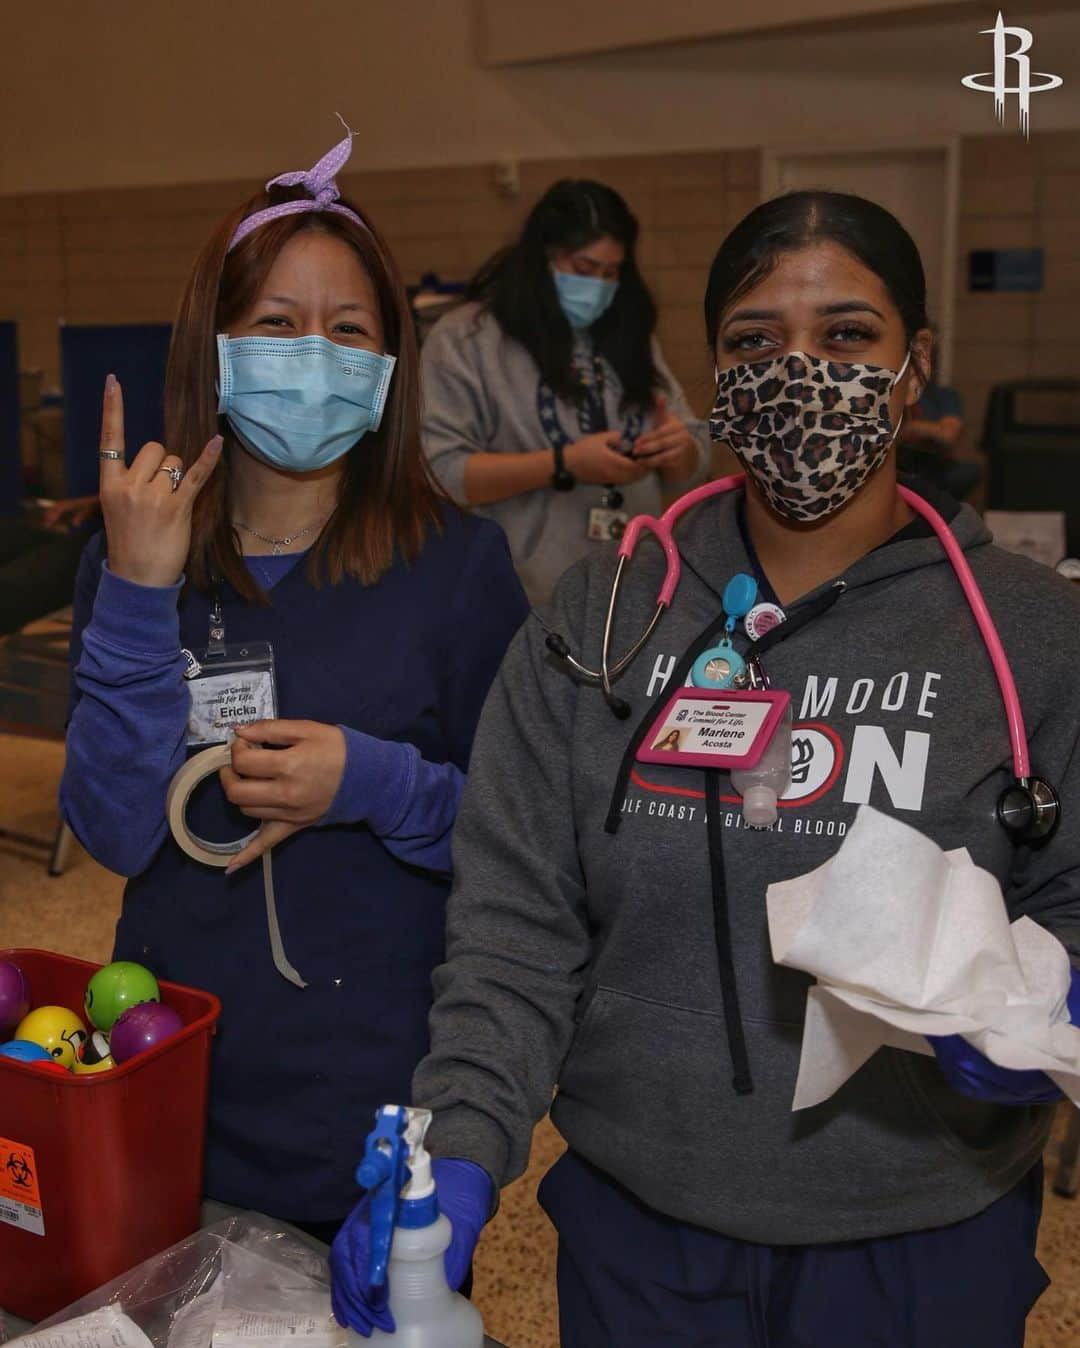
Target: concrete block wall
{"x":122,"y":255}
{"x":1018,"y":194}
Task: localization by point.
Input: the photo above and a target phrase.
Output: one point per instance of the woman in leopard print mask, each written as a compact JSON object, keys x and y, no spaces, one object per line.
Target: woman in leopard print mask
{"x":821,"y":338}
{"x":616,"y":947}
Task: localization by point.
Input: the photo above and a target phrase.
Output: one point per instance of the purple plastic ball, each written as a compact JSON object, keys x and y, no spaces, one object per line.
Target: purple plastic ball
{"x":14,"y":996}
{"x":142,"y":1027}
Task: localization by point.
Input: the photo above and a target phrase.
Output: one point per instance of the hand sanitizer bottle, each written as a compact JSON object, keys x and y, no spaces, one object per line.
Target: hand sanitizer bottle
{"x":406,"y":1225}
{"x":762,"y":785}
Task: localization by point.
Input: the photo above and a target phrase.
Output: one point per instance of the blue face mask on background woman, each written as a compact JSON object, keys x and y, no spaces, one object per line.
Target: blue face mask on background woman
{"x":299,"y":403}
{"x":583,"y":298}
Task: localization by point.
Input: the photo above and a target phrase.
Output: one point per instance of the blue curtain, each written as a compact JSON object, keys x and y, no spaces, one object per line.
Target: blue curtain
{"x":135,"y":353}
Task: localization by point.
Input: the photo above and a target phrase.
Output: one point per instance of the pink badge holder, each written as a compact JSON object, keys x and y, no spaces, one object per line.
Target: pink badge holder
{"x":704,"y":728}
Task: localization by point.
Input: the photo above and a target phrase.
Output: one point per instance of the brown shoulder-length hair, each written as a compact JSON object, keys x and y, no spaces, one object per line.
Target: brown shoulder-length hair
{"x":387,"y":499}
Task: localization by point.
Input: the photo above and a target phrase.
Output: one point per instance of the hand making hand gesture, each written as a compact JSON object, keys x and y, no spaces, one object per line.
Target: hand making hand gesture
{"x":147,"y":507}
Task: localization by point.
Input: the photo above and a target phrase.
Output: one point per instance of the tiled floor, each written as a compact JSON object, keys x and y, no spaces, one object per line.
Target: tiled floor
{"x":516,"y":1259}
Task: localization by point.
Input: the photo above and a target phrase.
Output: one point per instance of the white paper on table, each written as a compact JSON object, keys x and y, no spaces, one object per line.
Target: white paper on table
{"x":108,"y":1327}
{"x":238,"y":1329}
{"x":193,"y":1324}
{"x":293,"y":1308}
{"x":907,"y":940}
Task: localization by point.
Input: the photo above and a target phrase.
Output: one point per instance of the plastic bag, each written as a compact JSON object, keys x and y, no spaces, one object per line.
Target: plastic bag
{"x":242,"y":1283}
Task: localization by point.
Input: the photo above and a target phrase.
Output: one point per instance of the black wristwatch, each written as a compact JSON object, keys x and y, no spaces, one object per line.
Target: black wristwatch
{"x":562,"y":479}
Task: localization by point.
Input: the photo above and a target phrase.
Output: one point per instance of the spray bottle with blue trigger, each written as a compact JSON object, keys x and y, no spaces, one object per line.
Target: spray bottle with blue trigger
{"x":409,"y":1237}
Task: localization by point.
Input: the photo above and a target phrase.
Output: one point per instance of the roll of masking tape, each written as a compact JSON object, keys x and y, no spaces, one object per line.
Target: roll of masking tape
{"x":194,"y":772}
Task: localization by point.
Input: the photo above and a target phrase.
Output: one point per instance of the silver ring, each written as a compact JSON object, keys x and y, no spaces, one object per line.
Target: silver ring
{"x":109,"y":454}
{"x":176,"y":476}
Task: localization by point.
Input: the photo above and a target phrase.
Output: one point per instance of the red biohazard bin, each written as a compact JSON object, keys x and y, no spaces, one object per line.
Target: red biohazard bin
{"x":99,"y":1172}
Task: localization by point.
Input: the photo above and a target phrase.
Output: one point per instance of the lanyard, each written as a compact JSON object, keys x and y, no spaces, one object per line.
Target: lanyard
{"x":252,"y":659}
{"x":215,"y":646}
{"x":742,"y":1079}
{"x":591,"y":412}
{"x":795,"y":622}
{"x":592,"y":415}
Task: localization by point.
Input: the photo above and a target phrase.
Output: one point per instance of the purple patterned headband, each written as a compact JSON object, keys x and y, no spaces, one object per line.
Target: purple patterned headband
{"x":318,"y":182}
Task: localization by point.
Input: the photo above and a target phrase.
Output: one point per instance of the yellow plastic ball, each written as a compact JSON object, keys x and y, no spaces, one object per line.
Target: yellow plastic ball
{"x":88,"y":1069}
{"x":57,"y":1029}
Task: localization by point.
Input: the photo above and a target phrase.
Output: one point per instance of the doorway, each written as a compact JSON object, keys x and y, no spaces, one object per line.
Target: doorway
{"x":917,"y":185}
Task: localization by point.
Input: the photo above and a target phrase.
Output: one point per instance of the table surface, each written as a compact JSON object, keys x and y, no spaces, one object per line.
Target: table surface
{"x":212,"y":1212}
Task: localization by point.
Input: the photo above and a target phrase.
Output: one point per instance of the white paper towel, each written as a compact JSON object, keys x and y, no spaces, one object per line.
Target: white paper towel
{"x":907,"y":940}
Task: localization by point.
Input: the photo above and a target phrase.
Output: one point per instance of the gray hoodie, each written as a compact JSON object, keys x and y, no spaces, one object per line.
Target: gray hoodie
{"x":586,"y":960}
{"x":480,"y":392}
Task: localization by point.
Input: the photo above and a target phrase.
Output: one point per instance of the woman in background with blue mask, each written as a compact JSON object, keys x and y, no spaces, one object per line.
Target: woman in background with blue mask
{"x":291,"y":507}
{"x":547,"y":403}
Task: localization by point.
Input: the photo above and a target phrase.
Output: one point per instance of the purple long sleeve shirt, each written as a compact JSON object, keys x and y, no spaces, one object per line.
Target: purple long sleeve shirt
{"x":127,"y":733}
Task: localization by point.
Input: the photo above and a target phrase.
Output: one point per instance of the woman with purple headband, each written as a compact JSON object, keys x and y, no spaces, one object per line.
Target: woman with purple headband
{"x":284,"y":574}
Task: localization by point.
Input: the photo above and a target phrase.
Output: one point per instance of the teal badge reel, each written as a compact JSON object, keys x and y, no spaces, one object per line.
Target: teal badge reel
{"x":721,"y":665}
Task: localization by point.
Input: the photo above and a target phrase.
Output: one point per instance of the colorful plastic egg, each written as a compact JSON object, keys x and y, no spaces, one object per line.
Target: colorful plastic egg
{"x":142,"y":1027}
{"x":57,"y":1029}
{"x":14,"y":996}
{"x":116,"y":987}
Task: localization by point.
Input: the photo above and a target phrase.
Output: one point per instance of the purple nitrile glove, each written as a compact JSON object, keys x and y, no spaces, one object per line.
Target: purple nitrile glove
{"x":465,"y":1192}
{"x":971,"y":1073}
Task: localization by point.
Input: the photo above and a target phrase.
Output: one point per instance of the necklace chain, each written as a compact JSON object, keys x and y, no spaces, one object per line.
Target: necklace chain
{"x":279,"y":544}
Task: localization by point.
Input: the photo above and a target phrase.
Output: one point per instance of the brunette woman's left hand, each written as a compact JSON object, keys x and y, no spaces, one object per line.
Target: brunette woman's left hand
{"x":288,"y":786}
{"x":669,"y":447}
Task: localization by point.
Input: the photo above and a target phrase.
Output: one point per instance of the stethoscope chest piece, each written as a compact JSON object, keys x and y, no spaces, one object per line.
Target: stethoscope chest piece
{"x":1029,"y":810}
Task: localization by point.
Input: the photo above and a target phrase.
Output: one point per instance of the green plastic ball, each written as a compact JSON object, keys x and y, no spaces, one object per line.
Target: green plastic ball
{"x":116,"y":987}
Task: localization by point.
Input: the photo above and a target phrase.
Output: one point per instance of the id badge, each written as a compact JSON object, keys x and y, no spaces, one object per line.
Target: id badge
{"x":230,"y":690}
{"x":699,"y":728}
{"x":606,"y":524}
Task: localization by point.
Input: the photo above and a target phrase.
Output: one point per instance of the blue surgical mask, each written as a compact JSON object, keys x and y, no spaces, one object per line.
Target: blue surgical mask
{"x":299,"y":403}
{"x":583,"y":298}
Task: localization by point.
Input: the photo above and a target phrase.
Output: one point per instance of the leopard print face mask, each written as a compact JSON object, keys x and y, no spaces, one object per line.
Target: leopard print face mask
{"x":808,"y":431}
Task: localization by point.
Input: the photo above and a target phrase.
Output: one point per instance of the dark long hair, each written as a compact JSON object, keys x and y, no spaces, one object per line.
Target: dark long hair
{"x":387,"y":501}
{"x":798,"y":220}
{"x":516,"y":285}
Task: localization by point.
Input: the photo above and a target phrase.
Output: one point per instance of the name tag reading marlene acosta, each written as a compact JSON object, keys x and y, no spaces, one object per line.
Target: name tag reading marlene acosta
{"x":700,"y":728}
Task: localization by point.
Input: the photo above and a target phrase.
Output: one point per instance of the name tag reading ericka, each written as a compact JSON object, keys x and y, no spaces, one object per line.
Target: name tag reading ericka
{"x":700,"y":728}
{"x":231,"y":690}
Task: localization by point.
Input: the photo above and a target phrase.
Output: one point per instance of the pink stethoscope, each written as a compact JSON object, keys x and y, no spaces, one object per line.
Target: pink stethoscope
{"x":1029,"y":808}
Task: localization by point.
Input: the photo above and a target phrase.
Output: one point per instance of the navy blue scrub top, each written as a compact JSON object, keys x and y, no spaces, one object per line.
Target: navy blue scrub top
{"x":298,"y":1073}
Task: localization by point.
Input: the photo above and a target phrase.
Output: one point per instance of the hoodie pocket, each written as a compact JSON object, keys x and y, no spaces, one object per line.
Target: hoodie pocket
{"x":645,"y":1063}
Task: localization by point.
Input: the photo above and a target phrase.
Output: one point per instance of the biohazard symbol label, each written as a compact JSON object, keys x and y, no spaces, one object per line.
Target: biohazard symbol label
{"x":20,"y":1196}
